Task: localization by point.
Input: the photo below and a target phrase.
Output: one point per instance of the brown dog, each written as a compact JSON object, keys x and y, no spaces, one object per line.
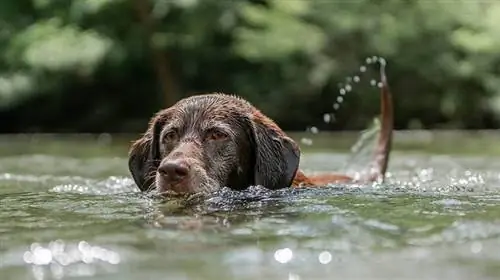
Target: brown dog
{"x":206,"y":142}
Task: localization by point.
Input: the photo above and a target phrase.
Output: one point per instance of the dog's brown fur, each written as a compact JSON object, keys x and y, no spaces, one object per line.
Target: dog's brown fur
{"x":209,"y":141}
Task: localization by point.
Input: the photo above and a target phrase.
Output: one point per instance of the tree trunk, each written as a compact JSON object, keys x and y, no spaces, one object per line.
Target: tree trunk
{"x":159,"y":58}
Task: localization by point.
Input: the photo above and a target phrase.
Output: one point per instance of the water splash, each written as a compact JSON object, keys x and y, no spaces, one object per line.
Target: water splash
{"x":309,"y":141}
{"x":348,"y":87}
{"x":325,"y":257}
{"x":343,"y":92}
{"x":361,"y":150}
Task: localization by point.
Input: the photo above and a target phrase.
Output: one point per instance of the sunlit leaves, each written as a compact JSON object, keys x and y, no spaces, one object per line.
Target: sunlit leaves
{"x":277,"y":33}
{"x":481,"y":36}
{"x":14,"y":86}
{"x":49,"y":45}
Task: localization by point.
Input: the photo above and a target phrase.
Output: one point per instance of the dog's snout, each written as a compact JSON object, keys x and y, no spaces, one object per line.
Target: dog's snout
{"x":175,"y":170}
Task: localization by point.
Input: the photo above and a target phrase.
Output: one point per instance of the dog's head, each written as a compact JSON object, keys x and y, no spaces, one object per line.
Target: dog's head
{"x":206,"y":142}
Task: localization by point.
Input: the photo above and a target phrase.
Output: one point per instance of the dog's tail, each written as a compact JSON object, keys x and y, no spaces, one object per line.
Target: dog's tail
{"x":378,"y":166}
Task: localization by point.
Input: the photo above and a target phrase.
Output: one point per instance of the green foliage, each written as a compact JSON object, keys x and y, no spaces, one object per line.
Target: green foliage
{"x":277,"y":30}
{"x":51,"y":46}
{"x":286,"y":56}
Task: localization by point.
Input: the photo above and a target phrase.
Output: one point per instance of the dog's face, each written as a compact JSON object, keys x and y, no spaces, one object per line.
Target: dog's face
{"x":206,"y":142}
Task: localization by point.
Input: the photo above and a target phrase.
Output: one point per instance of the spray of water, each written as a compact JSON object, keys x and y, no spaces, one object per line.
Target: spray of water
{"x":367,"y":136}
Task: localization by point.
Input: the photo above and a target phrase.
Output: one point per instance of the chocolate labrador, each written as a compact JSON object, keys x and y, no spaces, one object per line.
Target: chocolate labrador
{"x":206,"y":142}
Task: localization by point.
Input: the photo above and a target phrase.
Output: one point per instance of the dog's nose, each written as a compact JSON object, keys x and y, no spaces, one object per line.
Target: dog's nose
{"x":174,"y":170}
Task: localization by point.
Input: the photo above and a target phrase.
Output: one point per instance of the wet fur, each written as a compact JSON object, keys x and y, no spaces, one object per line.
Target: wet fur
{"x":256,"y":152}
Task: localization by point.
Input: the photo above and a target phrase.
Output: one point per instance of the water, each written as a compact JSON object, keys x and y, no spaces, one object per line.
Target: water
{"x":70,"y":210}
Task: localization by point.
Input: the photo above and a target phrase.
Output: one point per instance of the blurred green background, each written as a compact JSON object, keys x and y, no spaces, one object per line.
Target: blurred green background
{"x":108,"y":65}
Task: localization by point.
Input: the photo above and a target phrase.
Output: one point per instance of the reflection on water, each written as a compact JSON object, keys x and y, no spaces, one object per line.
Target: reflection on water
{"x":59,"y":259}
{"x":65,"y":216}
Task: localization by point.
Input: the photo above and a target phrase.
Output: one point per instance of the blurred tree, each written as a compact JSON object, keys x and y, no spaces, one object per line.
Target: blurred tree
{"x":108,"y":65}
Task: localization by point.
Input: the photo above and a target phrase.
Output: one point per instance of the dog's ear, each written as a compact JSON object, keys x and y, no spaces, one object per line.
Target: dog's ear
{"x":276,"y":155}
{"x":144,"y":155}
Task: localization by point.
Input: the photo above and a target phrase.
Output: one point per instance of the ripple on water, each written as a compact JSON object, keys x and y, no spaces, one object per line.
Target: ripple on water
{"x":112,"y":185}
{"x":461,"y":231}
{"x":430,"y":211}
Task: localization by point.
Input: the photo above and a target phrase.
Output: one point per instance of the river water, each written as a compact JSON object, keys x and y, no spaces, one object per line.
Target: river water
{"x":71,"y":211}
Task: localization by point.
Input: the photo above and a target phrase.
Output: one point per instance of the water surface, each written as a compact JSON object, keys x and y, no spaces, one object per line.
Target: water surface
{"x":69,"y":210}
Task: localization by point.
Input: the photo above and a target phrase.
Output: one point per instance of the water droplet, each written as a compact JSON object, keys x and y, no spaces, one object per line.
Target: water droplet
{"x":283,"y":255}
{"x":348,"y":88}
{"x":83,"y":246}
{"x":382,"y":61}
{"x":114,"y":258}
{"x":476,"y":247}
{"x":306,"y":141}
{"x":336,"y":106}
{"x":342,"y":91}
{"x":368,"y":60}
{"x":362,"y":68}
{"x":314,"y":130}
{"x":340,"y":99}
{"x":356,"y":79}
{"x":327,"y":118}
{"x":373,"y":83}
{"x":325,"y":257}
{"x":42,"y":256}
{"x":28,"y":257}
{"x":380,"y":84}
{"x":374,"y":58}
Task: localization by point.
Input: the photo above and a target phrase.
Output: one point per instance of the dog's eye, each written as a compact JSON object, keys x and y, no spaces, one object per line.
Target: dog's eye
{"x":216,"y":135}
{"x":170,"y":136}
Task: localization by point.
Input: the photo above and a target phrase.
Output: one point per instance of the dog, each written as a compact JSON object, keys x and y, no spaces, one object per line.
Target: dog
{"x":209,"y":141}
